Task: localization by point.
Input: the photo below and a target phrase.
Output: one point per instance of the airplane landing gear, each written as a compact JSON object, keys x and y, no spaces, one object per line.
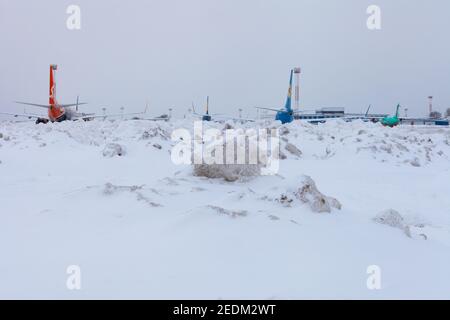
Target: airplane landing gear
{"x":41,"y":120}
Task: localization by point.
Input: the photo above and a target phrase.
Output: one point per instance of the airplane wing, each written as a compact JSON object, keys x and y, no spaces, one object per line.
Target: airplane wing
{"x":243,"y":119}
{"x":304,"y":111}
{"x":34,"y":104}
{"x":276,"y":110}
{"x":225,"y":117}
{"x":16,"y":115}
{"x":156,"y":119}
{"x":71,"y":104}
{"x":77,"y":117}
{"x":93,"y":116}
{"x":48,"y":106}
{"x":294,"y":111}
{"x":83,"y":114}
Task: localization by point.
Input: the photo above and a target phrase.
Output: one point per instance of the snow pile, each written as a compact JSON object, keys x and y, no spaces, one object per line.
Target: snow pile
{"x":293,"y":149}
{"x":221,"y":166}
{"x":113,"y":149}
{"x":111,"y":189}
{"x":394,"y":219}
{"x":318,"y":202}
{"x":308,"y":194}
{"x":405,"y":145}
{"x":229,"y":172}
{"x":155,"y":132}
{"x":229,"y":213}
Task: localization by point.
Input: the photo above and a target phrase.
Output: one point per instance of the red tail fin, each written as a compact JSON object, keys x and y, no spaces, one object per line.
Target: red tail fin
{"x":52,"y":93}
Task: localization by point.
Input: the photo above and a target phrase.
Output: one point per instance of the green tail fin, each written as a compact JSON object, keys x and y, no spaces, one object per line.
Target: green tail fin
{"x":396,"y":112}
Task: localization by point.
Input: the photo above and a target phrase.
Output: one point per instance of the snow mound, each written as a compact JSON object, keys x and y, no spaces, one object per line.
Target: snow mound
{"x":394,"y":219}
{"x":317,"y":201}
{"x":113,"y":149}
{"x":307,"y":193}
{"x":229,"y":172}
{"x":111,"y":189}
{"x":229,"y":213}
{"x":221,"y":167}
{"x":391,"y":218}
{"x":293,"y":149}
{"x":155,"y":132}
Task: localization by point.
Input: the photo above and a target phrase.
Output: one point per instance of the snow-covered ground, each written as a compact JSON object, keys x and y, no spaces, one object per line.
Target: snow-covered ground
{"x":140,"y":226}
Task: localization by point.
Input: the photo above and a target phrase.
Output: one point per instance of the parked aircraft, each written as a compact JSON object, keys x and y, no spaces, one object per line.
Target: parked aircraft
{"x":57,"y":112}
{"x":286,"y":114}
{"x":391,"y":121}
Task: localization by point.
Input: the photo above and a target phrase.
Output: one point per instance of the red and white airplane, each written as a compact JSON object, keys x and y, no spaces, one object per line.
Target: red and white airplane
{"x":57,"y":112}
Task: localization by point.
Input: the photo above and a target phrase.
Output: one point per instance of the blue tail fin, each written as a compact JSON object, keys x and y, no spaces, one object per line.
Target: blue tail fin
{"x":288,"y":105}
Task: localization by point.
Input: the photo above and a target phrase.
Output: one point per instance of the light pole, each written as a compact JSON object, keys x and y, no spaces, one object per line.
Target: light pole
{"x":430,"y":101}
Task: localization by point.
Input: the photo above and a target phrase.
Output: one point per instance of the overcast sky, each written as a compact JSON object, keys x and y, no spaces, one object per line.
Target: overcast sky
{"x":239,"y":52}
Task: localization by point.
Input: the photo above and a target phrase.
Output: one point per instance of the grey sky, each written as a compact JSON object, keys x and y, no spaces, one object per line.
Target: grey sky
{"x":239,"y":52}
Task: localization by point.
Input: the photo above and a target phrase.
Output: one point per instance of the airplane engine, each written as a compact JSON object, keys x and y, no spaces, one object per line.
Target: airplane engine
{"x":41,"y":120}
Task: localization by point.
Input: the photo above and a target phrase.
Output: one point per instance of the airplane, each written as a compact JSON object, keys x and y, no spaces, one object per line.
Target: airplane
{"x":364,"y":117}
{"x":207,"y":116}
{"x":57,"y":112}
{"x":163,"y":117}
{"x":220,"y":117}
{"x":391,"y":121}
{"x":285,"y":115}
{"x":357,"y":116}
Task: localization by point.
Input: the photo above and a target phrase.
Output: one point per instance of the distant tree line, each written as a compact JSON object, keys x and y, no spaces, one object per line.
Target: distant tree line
{"x":438,"y":115}
{"x":435,"y":115}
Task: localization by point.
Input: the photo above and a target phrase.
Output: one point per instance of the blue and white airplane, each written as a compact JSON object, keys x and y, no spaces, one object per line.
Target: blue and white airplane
{"x":217,"y":116}
{"x":205,"y":117}
{"x":285,"y":115}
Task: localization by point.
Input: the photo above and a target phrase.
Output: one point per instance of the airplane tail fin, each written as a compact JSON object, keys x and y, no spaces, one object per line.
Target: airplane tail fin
{"x":368,"y":109}
{"x":396,"y":111}
{"x":52,"y":92}
{"x":288,"y":105}
{"x":207,"y":105}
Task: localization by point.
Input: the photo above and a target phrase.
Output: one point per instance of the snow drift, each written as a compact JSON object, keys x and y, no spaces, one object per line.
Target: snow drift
{"x":140,"y":226}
